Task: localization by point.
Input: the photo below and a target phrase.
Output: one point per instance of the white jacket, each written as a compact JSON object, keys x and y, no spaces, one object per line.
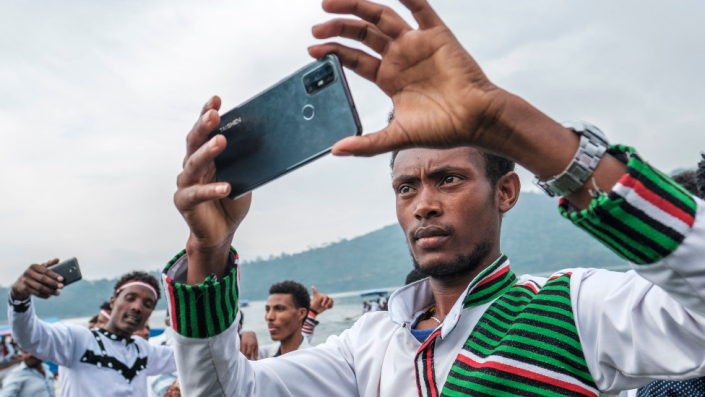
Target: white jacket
{"x":630,"y":328}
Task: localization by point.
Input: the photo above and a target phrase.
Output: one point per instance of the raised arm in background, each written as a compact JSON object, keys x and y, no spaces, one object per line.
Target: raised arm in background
{"x":442,"y":99}
{"x":53,"y":342}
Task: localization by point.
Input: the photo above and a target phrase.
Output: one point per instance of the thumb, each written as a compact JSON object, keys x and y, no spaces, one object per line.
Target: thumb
{"x":391,"y":138}
{"x":315,"y":291}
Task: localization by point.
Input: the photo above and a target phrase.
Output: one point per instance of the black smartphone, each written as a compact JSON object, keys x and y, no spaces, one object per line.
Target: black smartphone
{"x":69,"y":269}
{"x":286,"y":126}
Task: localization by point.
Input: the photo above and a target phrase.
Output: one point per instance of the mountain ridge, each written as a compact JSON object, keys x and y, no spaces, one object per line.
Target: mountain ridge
{"x":534,"y":236}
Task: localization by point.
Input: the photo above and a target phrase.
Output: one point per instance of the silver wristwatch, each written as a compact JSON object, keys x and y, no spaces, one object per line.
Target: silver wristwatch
{"x":593,"y":144}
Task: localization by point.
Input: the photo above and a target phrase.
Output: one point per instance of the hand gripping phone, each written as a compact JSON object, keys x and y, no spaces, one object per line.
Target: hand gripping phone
{"x":69,"y":269}
{"x":290,"y":124}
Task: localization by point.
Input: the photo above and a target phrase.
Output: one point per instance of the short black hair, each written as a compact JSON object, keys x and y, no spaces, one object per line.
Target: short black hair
{"x":495,"y":166}
{"x":414,"y":276}
{"x":688,"y":181}
{"x":106,"y":306}
{"x":93,"y":319}
{"x":139,"y":276}
{"x":299,"y":293}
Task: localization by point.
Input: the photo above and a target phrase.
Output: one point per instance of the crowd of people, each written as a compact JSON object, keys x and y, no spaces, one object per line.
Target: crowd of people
{"x":115,"y":350}
{"x":465,"y":324}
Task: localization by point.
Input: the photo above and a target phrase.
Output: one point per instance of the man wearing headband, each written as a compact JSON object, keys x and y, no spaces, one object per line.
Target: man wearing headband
{"x":103,"y":315}
{"x":105,"y":361}
{"x":479,"y":329}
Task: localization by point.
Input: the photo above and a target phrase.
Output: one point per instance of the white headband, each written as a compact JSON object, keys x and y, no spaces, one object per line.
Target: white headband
{"x":128,"y":284}
{"x":105,"y":313}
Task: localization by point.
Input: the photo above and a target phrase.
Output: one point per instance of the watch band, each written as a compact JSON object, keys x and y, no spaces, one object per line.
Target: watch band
{"x":593,"y":144}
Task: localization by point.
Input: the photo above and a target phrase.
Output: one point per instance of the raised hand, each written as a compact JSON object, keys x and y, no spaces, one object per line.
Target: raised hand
{"x":38,"y":280}
{"x":320,"y":302}
{"x":249,"y":345}
{"x":441,"y":96}
{"x":202,"y":200}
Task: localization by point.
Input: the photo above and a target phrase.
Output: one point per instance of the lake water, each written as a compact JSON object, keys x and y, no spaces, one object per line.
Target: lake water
{"x":346,"y":310}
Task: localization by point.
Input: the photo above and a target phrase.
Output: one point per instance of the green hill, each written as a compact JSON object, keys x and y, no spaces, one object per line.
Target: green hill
{"x":535,"y":237}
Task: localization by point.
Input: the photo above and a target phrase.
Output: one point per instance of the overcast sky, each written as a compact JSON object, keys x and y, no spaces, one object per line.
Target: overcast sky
{"x":96,"y":99}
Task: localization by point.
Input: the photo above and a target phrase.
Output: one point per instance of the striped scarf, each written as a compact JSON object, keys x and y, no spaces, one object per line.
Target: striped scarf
{"x":525,"y":344}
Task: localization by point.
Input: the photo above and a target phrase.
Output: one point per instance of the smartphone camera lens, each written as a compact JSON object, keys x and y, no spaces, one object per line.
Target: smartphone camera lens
{"x":319,"y":78}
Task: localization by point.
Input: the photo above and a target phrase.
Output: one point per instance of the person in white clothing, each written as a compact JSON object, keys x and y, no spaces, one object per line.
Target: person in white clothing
{"x":98,"y":362}
{"x":32,"y":378}
{"x":473,"y":327}
{"x":282,"y":310}
{"x":286,"y":312}
{"x":158,"y":385}
{"x":103,"y":315}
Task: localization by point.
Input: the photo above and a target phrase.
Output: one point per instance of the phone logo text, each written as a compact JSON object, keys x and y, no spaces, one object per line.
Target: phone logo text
{"x":231,"y":124}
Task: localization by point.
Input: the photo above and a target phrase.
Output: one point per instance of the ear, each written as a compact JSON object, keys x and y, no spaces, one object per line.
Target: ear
{"x":112,"y":302}
{"x":508,"y":188}
{"x":302,"y":313}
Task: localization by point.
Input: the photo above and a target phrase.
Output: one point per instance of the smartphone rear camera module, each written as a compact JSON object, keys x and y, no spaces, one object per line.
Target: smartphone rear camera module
{"x":319,"y":78}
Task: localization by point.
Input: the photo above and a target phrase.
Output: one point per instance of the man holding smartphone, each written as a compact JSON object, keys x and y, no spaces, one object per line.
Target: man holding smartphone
{"x":98,"y":362}
{"x":580,"y":332}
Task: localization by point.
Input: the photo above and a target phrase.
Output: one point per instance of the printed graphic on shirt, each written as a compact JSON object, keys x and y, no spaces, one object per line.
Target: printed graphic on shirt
{"x":525,"y":344}
{"x":20,"y":306}
{"x":105,"y":361}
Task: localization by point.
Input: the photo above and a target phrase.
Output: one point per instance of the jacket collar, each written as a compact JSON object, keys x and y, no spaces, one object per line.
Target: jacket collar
{"x":114,"y":337}
{"x":409,"y":302}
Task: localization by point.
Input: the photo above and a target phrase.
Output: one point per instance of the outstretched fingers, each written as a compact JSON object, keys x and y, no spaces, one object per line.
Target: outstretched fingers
{"x":362,"y":31}
{"x":388,"y":21}
{"x":358,"y":61}
{"x":423,"y":13}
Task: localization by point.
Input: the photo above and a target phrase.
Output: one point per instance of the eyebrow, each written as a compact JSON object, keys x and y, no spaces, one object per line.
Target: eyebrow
{"x":433,"y":174}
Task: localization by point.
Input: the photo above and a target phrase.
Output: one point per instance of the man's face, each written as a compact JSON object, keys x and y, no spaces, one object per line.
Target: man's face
{"x":102,"y":321}
{"x":282,"y":316}
{"x":445,"y":206}
{"x":131,"y":308}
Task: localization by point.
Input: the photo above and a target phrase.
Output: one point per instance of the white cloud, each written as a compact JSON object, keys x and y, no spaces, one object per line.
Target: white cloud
{"x":97,"y":98}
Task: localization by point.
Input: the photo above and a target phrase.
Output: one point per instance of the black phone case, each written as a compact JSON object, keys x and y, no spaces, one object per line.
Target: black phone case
{"x":283,"y":128}
{"x":69,"y":269}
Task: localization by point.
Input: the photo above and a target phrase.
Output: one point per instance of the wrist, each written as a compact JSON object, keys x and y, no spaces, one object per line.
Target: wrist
{"x":18,"y":295}
{"x":206,"y":259}
{"x":512,"y":128}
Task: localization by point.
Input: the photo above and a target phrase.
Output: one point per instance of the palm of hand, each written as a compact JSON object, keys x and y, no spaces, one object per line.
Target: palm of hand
{"x":427,"y":84}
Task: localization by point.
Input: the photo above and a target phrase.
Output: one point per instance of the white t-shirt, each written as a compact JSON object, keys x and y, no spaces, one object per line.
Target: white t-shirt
{"x":97,"y":362}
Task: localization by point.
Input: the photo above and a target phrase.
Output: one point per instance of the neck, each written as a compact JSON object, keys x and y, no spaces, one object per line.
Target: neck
{"x":110,"y":327}
{"x":292,"y":342}
{"x":37,"y":366}
{"x":447,"y":290}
